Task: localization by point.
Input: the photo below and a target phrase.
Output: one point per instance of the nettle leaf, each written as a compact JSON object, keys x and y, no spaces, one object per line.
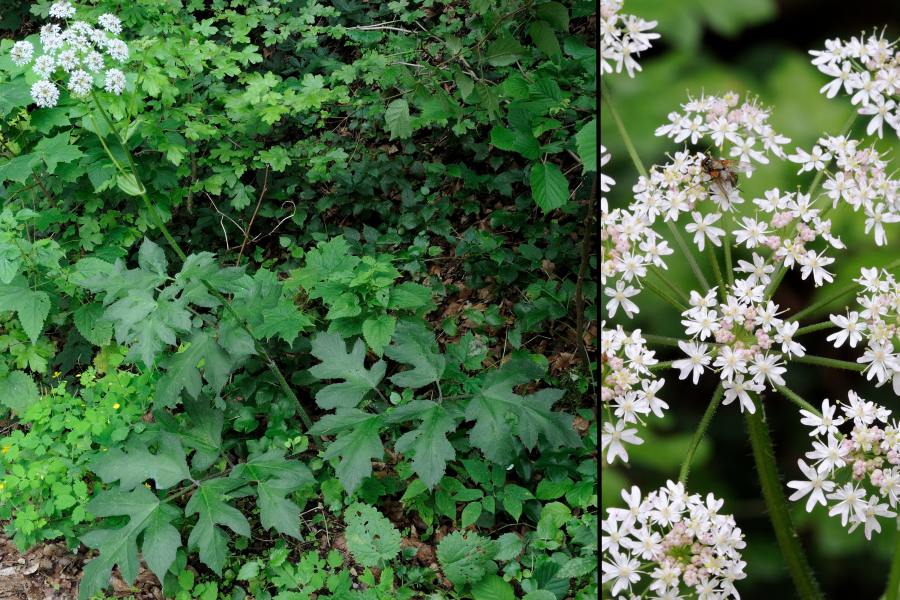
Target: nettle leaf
{"x":18,"y":391}
{"x":586,"y":145}
{"x":337,"y":363}
{"x":210,"y":505}
{"x":89,"y":322}
{"x":501,"y":415}
{"x":357,"y":444}
{"x":377,"y":332}
{"x":414,"y":344}
{"x":396,"y":117}
{"x":183,"y":370}
{"x":147,"y":516}
{"x":428,"y":442}
{"x":371,"y":538}
{"x":466,"y":559}
{"x":32,"y":307}
{"x":549,"y":186}
{"x":136,"y":464}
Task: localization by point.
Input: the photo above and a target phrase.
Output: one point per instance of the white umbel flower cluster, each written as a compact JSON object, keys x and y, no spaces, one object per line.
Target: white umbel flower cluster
{"x":860,"y":178}
{"x":628,"y":391}
{"x":857,"y":475}
{"x":868,"y":69}
{"x":877,"y":322}
{"x":622,"y":37}
{"x":740,"y":130}
{"x":671,"y":545}
{"x":78,"y":53}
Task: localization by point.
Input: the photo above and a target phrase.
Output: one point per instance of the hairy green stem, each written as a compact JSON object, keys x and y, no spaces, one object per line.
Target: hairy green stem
{"x":660,"y":366}
{"x":893,"y":586}
{"x":678,"y":305}
{"x":705,"y":420}
{"x":837,"y":294}
{"x":823,"y":361}
{"x":662,"y":276}
{"x":797,"y":399}
{"x":711,"y":252}
{"x":661,"y":340}
{"x":726,"y":245}
{"x":814,"y":327}
{"x":158,"y":222}
{"x":764,"y":455}
{"x":689,"y":255}
{"x":626,"y":139}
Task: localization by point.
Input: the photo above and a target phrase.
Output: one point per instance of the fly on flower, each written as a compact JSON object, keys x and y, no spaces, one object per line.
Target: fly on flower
{"x":724,"y":173}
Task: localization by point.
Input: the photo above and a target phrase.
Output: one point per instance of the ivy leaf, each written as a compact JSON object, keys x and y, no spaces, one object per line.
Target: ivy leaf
{"x":414,"y":345}
{"x":57,"y":149}
{"x":183,"y":373}
{"x":371,"y":538}
{"x":337,"y":363}
{"x":396,"y":116}
{"x":32,"y":307}
{"x":500,"y":414}
{"x":466,"y":559}
{"x":504,"y":51}
{"x":18,"y":391}
{"x":356,"y":446}
{"x":119,"y":546}
{"x":377,"y":332}
{"x":586,"y":145}
{"x":137,"y":464}
{"x":548,"y":186}
{"x":210,"y":506}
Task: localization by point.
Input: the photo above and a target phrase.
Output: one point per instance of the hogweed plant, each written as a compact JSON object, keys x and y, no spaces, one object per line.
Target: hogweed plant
{"x":668,"y":544}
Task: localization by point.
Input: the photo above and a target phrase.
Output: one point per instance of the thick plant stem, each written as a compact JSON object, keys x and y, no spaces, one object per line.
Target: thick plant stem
{"x":814,"y":327}
{"x":764,"y":455}
{"x":893,"y":586}
{"x":158,"y":222}
{"x":798,"y":400}
{"x":700,"y":432}
{"x":824,"y":361}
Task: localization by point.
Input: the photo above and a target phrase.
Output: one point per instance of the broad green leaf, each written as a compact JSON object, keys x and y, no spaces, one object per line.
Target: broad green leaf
{"x":492,"y":587}
{"x":516,"y":140}
{"x":32,"y":307}
{"x":544,"y":38}
{"x":554,"y":13}
{"x":183,"y":372}
{"x":272,"y":465}
{"x":470,"y":514}
{"x":210,"y":505}
{"x":414,"y":345}
{"x":284,"y":320}
{"x":466,"y":558}
{"x":19,"y":168}
{"x":358,"y":443}
{"x":548,"y":186}
{"x":409,"y":296}
{"x":337,"y":363}
{"x":396,"y":116}
{"x":18,"y":391}
{"x":509,"y":546}
{"x":371,"y":538}
{"x":504,"y":51}
{"x":57,"y":149}
{"x":428,"y":442}
{"x":136,"y":464}
{"x":501,"y":415}
{"x":586,"y":145}
{"x":10,"y":261}
{"x":377,"y":331}
{"x":89,"y":321}
{"x":152,"y":258}
{"x":147,"y":515}
{"x":275,"y":510}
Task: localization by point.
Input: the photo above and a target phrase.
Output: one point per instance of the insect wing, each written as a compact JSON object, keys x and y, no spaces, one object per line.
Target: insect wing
{"x":740,"y":167}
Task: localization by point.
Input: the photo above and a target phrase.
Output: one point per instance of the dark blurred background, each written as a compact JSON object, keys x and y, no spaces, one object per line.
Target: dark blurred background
{"x":756,"y":47}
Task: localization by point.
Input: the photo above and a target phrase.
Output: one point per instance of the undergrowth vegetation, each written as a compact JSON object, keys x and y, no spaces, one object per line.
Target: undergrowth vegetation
{"x":296,"y":297}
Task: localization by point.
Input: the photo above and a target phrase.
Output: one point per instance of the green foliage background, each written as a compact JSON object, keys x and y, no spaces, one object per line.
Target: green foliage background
{"x":748,"y":47}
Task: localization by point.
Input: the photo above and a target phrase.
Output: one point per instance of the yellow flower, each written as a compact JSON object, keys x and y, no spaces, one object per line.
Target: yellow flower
{"x":116,"y":406}
{"x":2,"y":485}
{"x":56,"y":374}
{"x":5,"y":449}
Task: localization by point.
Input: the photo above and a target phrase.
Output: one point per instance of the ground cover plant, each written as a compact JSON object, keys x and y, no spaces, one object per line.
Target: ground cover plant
{"x":297,"y":297}
{"x":731,"y":322}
